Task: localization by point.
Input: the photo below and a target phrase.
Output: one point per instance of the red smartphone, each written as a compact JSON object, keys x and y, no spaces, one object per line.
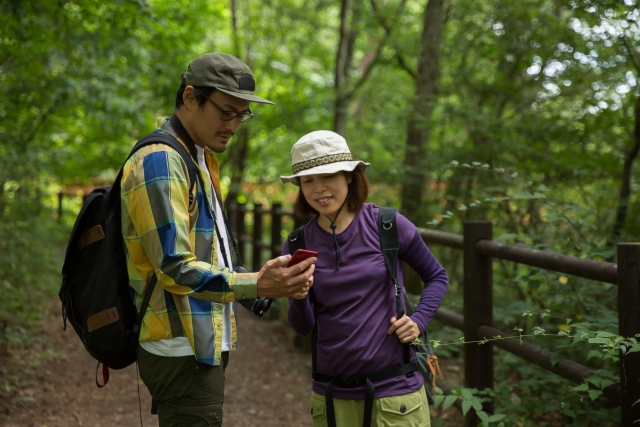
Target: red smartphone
{"x":301,"y":255}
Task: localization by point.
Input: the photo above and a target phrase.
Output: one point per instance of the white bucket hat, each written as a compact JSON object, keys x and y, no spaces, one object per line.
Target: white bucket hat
{"x":320,"y":152}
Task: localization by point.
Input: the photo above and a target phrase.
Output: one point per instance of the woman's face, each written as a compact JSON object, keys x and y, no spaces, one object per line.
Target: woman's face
{"x":326,"y":192}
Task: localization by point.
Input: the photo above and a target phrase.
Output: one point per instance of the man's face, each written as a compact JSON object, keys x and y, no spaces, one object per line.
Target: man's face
{"x":204,"y":123}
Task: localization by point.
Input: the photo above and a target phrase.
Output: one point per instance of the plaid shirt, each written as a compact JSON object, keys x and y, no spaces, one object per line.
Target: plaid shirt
{"x":163,"y":234}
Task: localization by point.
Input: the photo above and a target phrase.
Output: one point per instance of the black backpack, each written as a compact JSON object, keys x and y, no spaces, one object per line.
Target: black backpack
{"x":95,"y":293}
{"x":389,"y":245}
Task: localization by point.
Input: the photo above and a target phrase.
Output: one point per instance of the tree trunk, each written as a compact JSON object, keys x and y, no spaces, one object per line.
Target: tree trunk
{"x":343,"y":61}
{"x":237,"y":163}
{"x":238,"y":152}
{"x":625,"y":187}
{"x":418,"y":131}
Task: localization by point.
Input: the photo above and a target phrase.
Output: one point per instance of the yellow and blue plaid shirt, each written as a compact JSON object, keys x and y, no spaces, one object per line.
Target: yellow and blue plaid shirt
{"x":163,"y":234}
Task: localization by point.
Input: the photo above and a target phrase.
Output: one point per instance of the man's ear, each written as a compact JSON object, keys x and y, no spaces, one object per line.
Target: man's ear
{"x":189,"y":98}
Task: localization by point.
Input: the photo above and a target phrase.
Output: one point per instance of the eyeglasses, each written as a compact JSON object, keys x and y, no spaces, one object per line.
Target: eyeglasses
{"x":227,"y":115}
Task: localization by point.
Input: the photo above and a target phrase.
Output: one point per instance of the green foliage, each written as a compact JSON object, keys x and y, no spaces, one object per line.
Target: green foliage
{"x":535,"y":112}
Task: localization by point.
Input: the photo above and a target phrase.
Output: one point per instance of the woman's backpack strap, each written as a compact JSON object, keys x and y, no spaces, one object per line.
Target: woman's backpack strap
{"x":388,"y":227}
{"x":296,"y":240}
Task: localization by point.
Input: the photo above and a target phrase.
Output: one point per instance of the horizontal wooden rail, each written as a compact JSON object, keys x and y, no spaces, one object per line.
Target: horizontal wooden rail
{"x":580,"y":267}
{"x":589,"y":269}
{"x":443,"y":238}
{"x":532,"y":353}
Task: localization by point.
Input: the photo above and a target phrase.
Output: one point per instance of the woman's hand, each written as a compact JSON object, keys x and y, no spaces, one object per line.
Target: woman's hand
{"x":406,"y":329}
{"x":305,"y":291}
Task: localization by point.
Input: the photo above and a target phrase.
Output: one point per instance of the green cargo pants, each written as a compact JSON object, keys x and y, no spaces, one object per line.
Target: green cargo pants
{"x":405,"y":410}
{"x":188,"y":394}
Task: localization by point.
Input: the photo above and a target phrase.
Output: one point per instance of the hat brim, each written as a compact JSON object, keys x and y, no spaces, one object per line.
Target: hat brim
{"x":246,"y":96}
{"x":329,"y":168}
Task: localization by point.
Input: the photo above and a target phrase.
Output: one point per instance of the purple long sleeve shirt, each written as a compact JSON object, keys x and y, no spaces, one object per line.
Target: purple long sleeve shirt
{"x":354,"y":305}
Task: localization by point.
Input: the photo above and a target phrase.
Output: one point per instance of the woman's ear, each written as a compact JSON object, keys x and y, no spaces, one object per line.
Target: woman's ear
{"x":349,"y":177}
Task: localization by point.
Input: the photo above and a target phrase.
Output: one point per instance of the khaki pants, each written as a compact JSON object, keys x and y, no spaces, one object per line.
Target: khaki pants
{"x":188,"y":394}
{"x":405,"y":410}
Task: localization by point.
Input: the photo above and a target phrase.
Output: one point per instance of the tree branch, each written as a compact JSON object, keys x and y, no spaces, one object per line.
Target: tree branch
{"x":403,"y":64}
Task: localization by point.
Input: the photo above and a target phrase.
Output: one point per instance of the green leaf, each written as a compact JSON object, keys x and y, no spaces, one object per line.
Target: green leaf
{"x":605,"y":383}
{"x":581,"y":387}
{"x":506,"y":237}
{"x":595,"y":353}
{"x":595,"y":380}
{"x":496,"y":417}
{"x":483,"y":416}
{"x":466,"y":405}
{"x":448,"y":401}
{"x":477,"y":404}
{"x":466,"y":393}
{"x":593,"y":394}
{"x":555,"y":358}
{"x":634,"y":403}
{"x":437,"y":400}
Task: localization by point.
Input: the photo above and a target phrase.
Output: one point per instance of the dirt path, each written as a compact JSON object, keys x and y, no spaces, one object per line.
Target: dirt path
{"x":53,"y":383}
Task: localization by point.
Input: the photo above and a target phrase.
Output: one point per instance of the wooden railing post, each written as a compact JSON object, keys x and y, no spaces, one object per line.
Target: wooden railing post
{"x":629,"y":326}
{"x":241,"y":231}
{"x":257,"y":236}
{"x":276,"y":230}
{"x":232,"y":215}
{"x":477,"y":310}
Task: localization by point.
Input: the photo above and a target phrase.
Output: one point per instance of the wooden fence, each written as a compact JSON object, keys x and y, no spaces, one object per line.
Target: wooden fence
{"x":476,"y":321}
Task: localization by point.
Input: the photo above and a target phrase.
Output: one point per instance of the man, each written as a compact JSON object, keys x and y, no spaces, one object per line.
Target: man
{"x":179,"y":234}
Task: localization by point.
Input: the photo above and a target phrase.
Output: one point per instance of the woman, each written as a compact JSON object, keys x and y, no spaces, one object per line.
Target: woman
{"x":352,"y":301}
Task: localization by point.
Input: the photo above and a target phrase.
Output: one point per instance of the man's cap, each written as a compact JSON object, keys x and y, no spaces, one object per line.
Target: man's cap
{"x":226,"y":73}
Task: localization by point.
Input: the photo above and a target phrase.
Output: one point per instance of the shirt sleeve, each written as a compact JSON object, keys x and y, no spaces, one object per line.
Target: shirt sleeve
{"x":155,"y":196}
{"x":417,"y":255}
{"x":300,"y":314}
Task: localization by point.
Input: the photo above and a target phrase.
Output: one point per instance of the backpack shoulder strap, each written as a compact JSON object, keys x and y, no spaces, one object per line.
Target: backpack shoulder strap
{"x":388,"y":228}
{"x":296,"y":240}
{"x":166,"y":139}
{"x":158,"y":137}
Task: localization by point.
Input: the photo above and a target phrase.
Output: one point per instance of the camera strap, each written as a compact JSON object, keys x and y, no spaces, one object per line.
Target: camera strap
{"x":232,"y":240}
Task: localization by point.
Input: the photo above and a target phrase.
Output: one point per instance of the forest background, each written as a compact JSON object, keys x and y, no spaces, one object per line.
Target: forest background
{"x":522,"y":112}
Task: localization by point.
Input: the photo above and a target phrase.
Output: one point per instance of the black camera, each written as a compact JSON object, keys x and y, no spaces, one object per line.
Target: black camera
{"x":258,"y":306}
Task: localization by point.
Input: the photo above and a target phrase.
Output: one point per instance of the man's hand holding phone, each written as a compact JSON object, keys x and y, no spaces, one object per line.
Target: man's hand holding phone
{"x":276,"y":282}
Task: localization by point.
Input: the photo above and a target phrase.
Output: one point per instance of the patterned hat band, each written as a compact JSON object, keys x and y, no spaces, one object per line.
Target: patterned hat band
{"x":320,"y":161}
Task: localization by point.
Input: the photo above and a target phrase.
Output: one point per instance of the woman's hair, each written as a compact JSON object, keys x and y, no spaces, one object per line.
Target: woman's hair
{"x":357,"y":195}
{"x":200,"y":92}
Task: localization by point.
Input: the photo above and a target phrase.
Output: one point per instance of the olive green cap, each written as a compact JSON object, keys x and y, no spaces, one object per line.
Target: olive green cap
{"x":226,"y":73}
